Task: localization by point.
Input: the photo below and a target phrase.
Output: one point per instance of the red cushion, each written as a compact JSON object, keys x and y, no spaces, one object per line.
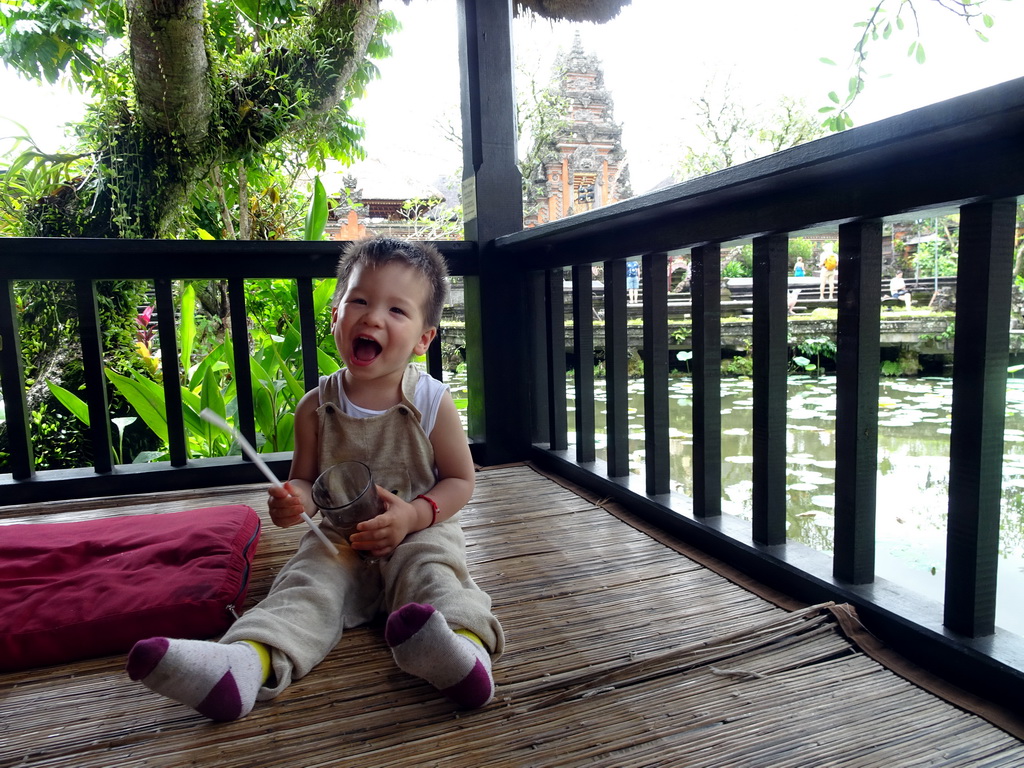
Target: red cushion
{"x":71,"y":591}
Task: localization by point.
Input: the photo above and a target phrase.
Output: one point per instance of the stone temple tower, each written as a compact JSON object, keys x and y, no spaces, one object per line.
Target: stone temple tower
{"x":582,"y":166}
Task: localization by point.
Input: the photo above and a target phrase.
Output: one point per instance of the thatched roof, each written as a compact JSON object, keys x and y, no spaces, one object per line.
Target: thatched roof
{"x":597,"y":11}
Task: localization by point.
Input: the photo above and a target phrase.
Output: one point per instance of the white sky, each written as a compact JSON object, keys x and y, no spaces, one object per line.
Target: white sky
{"x":657,"y":56}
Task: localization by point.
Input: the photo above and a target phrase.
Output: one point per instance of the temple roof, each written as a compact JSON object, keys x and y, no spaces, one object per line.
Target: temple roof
{"x":597,"y":11}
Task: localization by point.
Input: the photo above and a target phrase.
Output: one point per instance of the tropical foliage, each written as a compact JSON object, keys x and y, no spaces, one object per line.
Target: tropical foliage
{"x":207,"y":376}
{"x":192,"y":102}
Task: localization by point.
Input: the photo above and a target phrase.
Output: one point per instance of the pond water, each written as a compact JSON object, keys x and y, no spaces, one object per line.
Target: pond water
{"x":913,"y":472}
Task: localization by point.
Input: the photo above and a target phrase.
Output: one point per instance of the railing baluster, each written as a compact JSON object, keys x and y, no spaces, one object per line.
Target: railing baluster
{"x":12,"y":387}
{"x":771,"y":272}
{"x":583,"y":353}
{"x":307,"y":332}
{"x":980,"y":359}
{"x":656,"y":448}
{"x":705,"y":284}
{"x":435,"y":366}
{"x":857,"y":372}
{"x":245,"y":419}
{"x":557,"y":423}
{"x":615,"y":360}
{"x":91,"y":336}
{"x":540,"y":386}
{"x":166,"y":328}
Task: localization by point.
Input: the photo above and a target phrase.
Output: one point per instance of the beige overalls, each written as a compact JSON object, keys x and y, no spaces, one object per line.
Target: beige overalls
{"x":316,"y":596}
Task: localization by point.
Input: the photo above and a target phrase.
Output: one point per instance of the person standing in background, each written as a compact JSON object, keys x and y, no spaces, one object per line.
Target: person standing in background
{"x":828,"y":265}
{"x":633,"y":281}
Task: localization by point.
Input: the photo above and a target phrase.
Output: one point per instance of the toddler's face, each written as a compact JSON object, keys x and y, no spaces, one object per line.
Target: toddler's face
{"x":379,"y":323}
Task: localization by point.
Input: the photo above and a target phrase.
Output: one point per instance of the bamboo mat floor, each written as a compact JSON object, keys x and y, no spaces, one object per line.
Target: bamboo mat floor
{"x":621,"y":652}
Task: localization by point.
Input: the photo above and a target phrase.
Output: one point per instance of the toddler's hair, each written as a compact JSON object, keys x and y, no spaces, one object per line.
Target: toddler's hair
{"x":378,"y":251}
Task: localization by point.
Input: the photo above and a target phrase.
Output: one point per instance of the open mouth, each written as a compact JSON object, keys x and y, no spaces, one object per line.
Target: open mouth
{"x":365,"y":350}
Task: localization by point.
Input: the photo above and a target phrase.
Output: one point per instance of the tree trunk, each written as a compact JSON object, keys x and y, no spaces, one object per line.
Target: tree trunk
{"x":171,"y":67}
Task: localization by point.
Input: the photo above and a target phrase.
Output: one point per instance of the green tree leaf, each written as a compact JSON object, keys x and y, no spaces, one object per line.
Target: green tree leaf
{"x":322,"y":295}
{"x":263,"y":400}
{"x":187,"y":329}
{"x":146,"y":397}
{"x":316,"y":216}
{"x":78,"y":407}
{"x":286,"y":432}
{"x":327,"y":364}
{"x":214,"y":360}
{"x":265,"y":412}
{"x":210,"y":397}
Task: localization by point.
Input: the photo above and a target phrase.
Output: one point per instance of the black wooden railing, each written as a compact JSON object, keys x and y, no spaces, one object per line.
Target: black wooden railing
{"x":161,"y":262}
{"x":966,"y":155}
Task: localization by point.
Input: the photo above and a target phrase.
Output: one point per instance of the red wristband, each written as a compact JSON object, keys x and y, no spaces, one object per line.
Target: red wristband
{"x":433,"y":507}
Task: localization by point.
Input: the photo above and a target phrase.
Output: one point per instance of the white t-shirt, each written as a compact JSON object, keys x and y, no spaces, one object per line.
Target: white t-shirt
{"x":427,"y":400}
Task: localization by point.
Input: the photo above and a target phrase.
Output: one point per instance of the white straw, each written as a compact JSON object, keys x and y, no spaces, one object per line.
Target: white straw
{"x":249,"y":451}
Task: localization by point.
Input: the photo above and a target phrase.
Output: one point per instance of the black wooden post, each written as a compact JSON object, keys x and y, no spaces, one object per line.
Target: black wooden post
{"x":166,"y":327}
{"x":771,"y":272}
{"x":307,"y":332}
{"x":706,"y":286}
{"x":91,"y":336}
{"x":12,"y":379}
{"x":435,"y":365}
{"x":656,"y":448}
{"x":583,"y":354}
{"x":980,"y":355}
{"x":497,"y":326}
{"x":245,"y":418}
{"x":540,"y":352}
{"x":556,"y":373}
{"x":857,"y":372}
{"x":616,"y":374}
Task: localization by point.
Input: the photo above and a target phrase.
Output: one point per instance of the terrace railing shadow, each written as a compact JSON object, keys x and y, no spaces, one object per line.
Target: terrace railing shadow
{"x":965,"y":155}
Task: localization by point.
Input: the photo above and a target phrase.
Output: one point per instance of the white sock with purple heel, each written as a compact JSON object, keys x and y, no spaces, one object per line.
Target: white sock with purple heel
{"x":217,"y":681}
{"x":425,"y":646}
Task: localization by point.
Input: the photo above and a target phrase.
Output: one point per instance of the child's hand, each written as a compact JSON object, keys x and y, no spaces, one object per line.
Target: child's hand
{"x":285,"y":505}
{"x":387,"y":530}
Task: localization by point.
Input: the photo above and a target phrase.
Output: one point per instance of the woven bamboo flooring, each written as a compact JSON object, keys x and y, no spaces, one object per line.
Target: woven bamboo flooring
{"x":621,"y":652}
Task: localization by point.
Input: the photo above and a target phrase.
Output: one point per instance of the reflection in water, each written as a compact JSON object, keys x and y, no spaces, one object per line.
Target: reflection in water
{"x":913,"y":472}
